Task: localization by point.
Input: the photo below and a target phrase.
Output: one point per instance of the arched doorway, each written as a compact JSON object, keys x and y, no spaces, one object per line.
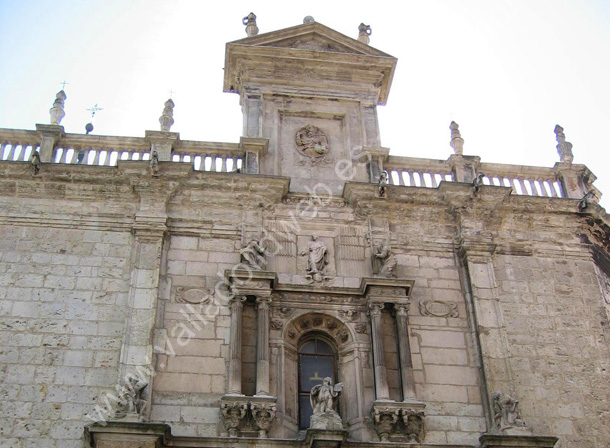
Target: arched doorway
{"x":317,"y":360}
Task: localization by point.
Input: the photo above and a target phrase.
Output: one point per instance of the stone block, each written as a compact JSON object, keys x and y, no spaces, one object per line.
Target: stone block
{"x":442,"y":339}
{"x":463,"y":376}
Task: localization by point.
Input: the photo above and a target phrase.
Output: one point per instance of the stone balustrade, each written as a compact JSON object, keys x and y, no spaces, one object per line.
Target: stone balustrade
{"x":210,"y":156}
{"x":18,"y":145}
{"x":416,"y":172}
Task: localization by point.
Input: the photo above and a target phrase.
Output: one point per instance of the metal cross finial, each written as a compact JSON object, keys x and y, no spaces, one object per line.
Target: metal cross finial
{"x":171,"y":92}
{"x":64,"y":84}
{"x":94,"y":109}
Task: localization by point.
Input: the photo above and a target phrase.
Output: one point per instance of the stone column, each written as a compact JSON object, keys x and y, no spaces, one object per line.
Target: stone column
{"x":404,"y":350}
{"x":236,"y":306}
{"x":381,"y":376}
{"x":262,"y":346}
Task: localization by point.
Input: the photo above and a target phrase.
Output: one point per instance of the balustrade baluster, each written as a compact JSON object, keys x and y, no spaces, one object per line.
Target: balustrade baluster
{"x":223,"y":166}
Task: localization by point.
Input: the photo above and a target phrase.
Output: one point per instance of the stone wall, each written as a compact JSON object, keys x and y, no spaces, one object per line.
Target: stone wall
{"x":559,"y":356}
{"x":63,"y":301}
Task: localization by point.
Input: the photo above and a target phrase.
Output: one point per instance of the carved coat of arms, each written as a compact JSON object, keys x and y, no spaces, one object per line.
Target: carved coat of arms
{"x":311,"y":142}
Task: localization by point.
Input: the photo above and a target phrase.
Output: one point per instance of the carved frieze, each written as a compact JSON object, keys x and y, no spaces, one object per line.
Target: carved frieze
{"x":319,"y":298}
{"x":437,"y":308}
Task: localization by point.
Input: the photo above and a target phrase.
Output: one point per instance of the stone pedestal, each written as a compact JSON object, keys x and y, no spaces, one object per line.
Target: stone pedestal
{"x":254,"y":149}
{"x":163,"y":143}
{"x":321,"y":438}
{"x":50,"y":134}
{"x":326,"y":420}
{"x":127,"y":435}
{"x":517,"y":441}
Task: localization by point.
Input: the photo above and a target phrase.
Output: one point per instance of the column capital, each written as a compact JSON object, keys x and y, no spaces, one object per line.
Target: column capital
{"x":402,"y":309}
{"x":237,"y":302}
{"x":263,"y":302}
{"x":375,"y":308}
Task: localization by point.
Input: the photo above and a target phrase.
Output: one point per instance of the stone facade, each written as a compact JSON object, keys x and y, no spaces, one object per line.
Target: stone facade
{"x":482,"y":322}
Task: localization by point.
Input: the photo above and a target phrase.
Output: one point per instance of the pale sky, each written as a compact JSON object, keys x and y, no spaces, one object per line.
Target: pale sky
{"x":506,"y":71}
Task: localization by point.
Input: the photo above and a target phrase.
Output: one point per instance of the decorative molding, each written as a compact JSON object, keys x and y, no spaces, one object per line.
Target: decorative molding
{"x":438,"y":308}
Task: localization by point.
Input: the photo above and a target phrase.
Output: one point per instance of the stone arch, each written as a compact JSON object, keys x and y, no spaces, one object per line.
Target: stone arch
{"x":311,"y":323}
{"x":330,"y":326}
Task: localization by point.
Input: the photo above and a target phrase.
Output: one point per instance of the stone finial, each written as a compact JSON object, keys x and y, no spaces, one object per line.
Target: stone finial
{"x":364,"y":31}
{"x":457,"y":142}
{"x":57,"y":111}
{"x":564,"y":149}
{"x":308,"y":19}
{"x":250,"y":22}
{"x":167,"y":117}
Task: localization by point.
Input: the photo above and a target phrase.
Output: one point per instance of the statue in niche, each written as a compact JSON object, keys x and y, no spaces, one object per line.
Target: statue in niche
{"x":317,"y":259}
{"x":385,"y":260}
{"x":130,"y":399}
{"x":311,"y":142}
{"x":253,"y":255}
{"x":322,"y":399}
{"x":506,"y":411}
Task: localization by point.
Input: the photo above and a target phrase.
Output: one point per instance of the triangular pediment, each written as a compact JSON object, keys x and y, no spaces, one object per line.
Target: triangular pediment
{"x":311,"y":37}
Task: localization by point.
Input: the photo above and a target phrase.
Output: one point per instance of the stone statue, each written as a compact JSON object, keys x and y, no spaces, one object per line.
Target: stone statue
{"x":506,"y":411}
{"x":477,"y":183}
{"x":311,"y":142}
{"x":154,"y":164}
{"x":387,"y":259}
{"x":130,"y":398}
{"x":253,"y":255}
{"x":166,"y":120}
{"x":322,"y":399}
{"x":35,"y":162}
{"x":57,"y":111}
{"x":583,"y":204}
{"x":382,"y":188}
{"x":317,"y":259}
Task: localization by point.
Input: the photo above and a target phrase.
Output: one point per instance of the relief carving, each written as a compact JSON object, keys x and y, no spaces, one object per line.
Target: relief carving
{"x":506,"y":411}
{"x":438,"y":308}
{"x":311,"y":142}
{"x":253,"y":255}
{"x":276,"y":324}
{"x":361,"y":328}
{"x":193,"y":295}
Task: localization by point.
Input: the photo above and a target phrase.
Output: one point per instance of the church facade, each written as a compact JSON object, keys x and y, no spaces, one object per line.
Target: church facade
{"x":302,"y":287}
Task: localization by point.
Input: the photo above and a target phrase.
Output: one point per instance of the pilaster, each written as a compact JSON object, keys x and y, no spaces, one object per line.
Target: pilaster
{"x":50,"y":135}
{"x":254,"y":149}
{"x":163,"y":143}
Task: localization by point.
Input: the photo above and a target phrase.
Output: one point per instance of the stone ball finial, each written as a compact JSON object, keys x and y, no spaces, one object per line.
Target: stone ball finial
{"x":457,"y":142}
{"x":57,"y":111}
{"x":167,"y":117}
{"x":250,"y":22}
{"x":364,"y":31}
{"x":308,"y":19}
{"x":564,"y":149}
